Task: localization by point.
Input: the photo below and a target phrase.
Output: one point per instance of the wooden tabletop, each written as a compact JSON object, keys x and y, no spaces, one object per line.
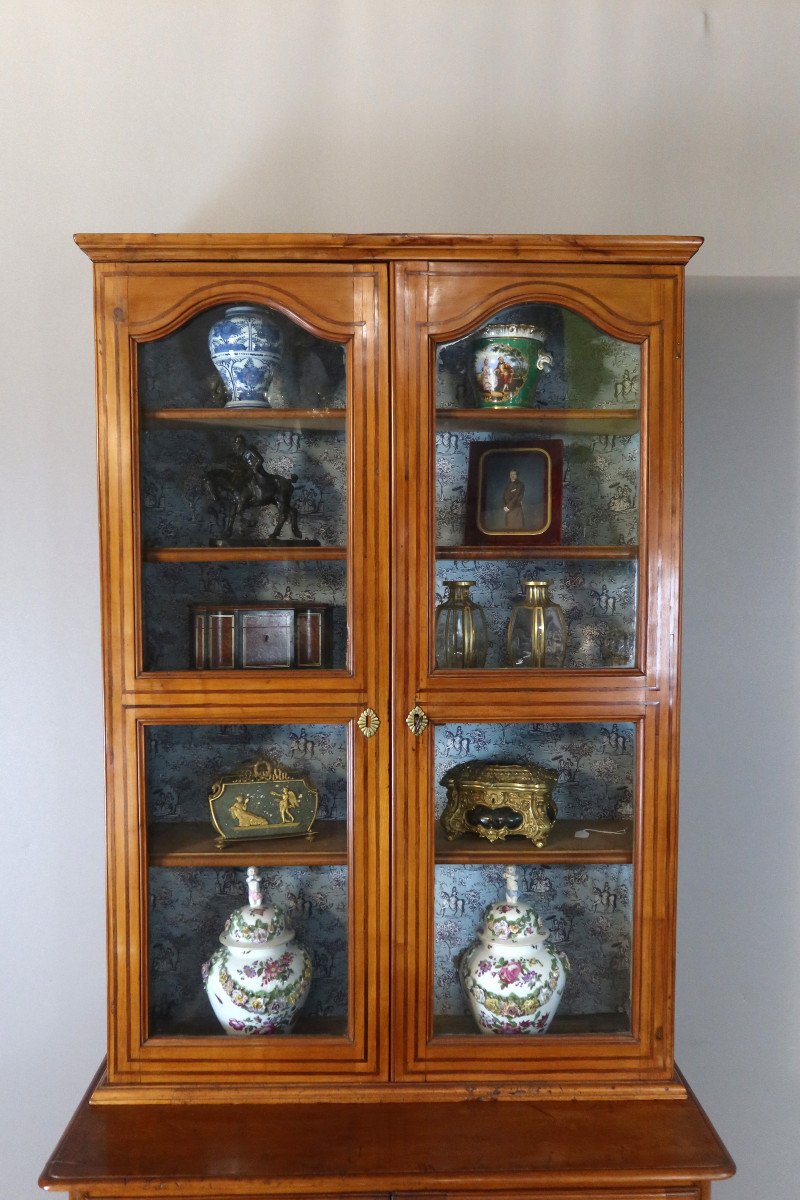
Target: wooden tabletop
{"x":200,"y":1150}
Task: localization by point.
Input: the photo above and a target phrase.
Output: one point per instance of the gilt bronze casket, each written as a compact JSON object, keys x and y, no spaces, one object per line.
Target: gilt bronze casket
{"x":497,"y":800}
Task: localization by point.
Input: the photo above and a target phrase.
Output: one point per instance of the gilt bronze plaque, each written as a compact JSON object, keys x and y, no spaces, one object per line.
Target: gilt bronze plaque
{"x":262,"y":800}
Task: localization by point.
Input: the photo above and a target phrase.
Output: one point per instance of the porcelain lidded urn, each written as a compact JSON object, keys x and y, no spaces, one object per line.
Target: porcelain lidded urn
{"x":259,"y":978}
{"x":245,"y":347}
{"x":512,"y":976}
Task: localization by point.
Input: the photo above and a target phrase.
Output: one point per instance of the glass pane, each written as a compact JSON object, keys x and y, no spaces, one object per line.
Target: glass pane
{"x":269,"y":785}
{"x":291,"y":369}
{"x":597,"y":599}
{"x":188,"y":606}
{"x":538,"y":355}
{"x":537,"y":494}
{"x":243,"y":461}
{"x":554,"y":803}
{"x":586,"y":912}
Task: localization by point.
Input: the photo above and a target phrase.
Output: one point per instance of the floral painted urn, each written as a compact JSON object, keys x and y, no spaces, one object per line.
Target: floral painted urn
{"x":512,"y":976}
{"x":245,"y":347}
{"x":259,"y":978}
{"x":507,"y":361}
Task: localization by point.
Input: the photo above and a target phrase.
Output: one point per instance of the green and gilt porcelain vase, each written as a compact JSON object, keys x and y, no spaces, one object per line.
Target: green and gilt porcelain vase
{"x":512,"y":977}
{"x":258,"y":980}
{"x":507,"y":361}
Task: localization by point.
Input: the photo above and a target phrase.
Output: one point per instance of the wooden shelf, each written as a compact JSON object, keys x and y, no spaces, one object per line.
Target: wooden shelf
{"x":274,"y":553}
{"x":332,"y":419}
{"x":612,"y":846}
{"x":532,"y":420}
{"x":194,"y":844}
{"x":556,"y":550}
{"x":581,"y":1023}
{"x":199,"y":1021}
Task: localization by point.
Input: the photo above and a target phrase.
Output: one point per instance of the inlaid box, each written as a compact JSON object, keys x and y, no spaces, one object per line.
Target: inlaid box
{"x":241,"y":636}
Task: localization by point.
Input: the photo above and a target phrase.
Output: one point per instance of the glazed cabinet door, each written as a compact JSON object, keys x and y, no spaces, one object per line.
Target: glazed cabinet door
{"x":244,"y":471}
{"x":538,"y":458}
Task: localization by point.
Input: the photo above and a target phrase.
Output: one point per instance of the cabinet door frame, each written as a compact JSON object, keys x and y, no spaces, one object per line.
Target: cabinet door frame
{"x":345,"y":303}
{"x":348,"y":303}
{"x":437,"y":302}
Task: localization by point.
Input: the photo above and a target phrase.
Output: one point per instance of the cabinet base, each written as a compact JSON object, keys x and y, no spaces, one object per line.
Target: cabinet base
{"x":534,"y":1150}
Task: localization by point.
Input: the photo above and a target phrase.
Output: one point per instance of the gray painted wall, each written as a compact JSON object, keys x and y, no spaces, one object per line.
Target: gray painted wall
{"x":530,"y":116}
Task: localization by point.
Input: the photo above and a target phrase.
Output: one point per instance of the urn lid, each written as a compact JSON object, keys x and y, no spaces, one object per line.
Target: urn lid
{"x":512,"y":921}
{"x":256,"y":924}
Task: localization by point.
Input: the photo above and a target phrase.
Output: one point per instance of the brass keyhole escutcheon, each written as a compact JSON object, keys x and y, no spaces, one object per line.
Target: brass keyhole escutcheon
{"x":417,"y":720}
{"x":368,"y":722}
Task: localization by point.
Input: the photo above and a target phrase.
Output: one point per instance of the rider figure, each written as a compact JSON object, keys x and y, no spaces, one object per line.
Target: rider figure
{"x":252,"y":460}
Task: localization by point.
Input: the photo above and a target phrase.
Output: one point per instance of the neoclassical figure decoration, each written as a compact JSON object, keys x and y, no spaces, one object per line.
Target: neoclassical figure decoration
{"x":262,"y":800}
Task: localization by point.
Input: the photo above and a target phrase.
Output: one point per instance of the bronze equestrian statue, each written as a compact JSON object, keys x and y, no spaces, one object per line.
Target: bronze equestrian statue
{"x":242,"y":485}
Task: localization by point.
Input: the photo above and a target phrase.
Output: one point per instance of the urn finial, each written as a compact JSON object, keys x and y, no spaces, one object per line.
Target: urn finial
{"x":255,"y":896}
{"x":512,"y":885}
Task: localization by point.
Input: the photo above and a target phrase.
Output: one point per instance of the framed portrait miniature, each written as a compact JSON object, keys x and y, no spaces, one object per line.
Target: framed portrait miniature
{"x":514,"y":493}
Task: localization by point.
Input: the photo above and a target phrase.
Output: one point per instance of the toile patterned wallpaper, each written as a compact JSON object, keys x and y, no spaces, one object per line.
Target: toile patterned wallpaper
{"x":177,"y":509}
{"x":600,"y":504}
{"x":595,"y":763}
{"x":182,"y":761}
{"x":598,"y":597}
{"x":176,"y":371}
{"x":169,"y":590}
{"x":187,"y":911}
{"x":188,"y":907}
{"x":586,"y":909}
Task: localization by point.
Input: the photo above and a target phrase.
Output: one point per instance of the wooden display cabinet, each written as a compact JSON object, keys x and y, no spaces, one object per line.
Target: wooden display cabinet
{"x":376,"y":403}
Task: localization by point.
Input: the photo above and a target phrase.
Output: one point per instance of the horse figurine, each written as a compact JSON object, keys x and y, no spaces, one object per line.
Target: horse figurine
{"x":243,"y":484}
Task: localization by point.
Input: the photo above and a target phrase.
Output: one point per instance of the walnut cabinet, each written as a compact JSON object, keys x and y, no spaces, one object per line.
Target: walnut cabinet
{"x":404,"y":435}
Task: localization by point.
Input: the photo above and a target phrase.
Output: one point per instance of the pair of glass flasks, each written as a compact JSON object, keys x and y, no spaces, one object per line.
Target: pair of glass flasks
{"x":536,"y":635}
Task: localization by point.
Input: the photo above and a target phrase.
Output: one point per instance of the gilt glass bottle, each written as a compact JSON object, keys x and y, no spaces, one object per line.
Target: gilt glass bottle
{"x":462,"y":636}
{"x":537,"y":629}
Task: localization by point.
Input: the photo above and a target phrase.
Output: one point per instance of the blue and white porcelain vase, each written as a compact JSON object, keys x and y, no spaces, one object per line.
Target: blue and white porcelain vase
{"x":512,"y":976}
{"x":258,"y":980}
{"x":245,"y":347}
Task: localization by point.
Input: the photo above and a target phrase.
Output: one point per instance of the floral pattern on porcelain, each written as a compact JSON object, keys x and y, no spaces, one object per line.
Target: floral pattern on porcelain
{"x":176,"y":371}
{"x":257,"y":930}
{"x":500,"y":1011}
{"x":188,"y":908}
{"x":258,"y":947}
{"x":587,"y":909}
{"x":506,"y":922}
{"x":272,"y":1008}
{"x":512,"y":977}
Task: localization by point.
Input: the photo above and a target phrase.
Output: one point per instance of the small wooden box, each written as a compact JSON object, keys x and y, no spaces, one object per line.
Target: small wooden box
{"x":255,"y":636}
